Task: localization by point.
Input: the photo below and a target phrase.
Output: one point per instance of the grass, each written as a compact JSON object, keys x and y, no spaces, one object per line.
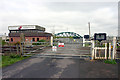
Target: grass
{"x":118,"y":46}
{"x":11,"y":59}
{"x":110,"y":62}
{"x":87,"y":44}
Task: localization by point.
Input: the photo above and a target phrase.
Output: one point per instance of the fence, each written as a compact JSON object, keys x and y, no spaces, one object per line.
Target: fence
{"x":25,"y":48}
{"x":97,"y":51}
{"x":105,"y":50}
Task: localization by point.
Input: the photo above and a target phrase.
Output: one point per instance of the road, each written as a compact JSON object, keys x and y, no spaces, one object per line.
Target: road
{"x":59,"y":68}
{"x":38,"y":67}
{"x":70,"y":49}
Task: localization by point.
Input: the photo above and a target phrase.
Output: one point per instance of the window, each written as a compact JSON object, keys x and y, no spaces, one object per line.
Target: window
{"x":33,"y":39}
{"x":11,"y":39}
{"x":37,"y":39}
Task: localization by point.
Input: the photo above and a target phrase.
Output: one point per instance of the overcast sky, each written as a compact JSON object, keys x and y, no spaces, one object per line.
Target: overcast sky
{"x":72,"y":16}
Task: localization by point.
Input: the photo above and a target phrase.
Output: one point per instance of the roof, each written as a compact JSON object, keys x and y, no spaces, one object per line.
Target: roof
{"x":32,"y":34}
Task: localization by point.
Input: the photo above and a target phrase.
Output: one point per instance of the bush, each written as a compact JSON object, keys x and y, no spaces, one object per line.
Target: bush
{"x":42,"y":40}
{"x":36,"y":43}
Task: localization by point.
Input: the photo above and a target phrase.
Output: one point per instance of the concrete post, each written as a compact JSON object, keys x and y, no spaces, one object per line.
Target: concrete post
{"x":114,"y":47}
{"x":109,"y":50}
{"x":105,"y":50}
{"x":51,"y":41}
{"x":83,"y":42}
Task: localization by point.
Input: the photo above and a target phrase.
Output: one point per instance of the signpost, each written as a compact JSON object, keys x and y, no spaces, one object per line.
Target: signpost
{"x":99,"y":37}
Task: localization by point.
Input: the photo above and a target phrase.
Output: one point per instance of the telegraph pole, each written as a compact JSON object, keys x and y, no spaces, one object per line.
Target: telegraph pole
{"x":89,"y":29}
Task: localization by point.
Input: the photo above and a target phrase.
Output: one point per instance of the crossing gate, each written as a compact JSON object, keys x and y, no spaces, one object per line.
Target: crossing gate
{"x":104,"y":50}
{"x":100,"y":52}
{"x":68,"y":48}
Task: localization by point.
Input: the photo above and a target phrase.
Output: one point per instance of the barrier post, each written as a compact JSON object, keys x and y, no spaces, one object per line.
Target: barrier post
{"x":106,"y":51}
{"x":51,"y":41}
{"x":109,"y":50}
{"x":114,"y":47}
{"x":83,"y":42}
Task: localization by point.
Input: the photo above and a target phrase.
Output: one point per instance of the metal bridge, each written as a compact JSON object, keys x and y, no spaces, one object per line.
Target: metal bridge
{"x":68,"y":34}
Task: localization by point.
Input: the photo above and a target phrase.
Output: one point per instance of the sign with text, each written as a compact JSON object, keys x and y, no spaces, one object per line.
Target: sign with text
{"x":21,"y":27}
{"x":100,"y":36}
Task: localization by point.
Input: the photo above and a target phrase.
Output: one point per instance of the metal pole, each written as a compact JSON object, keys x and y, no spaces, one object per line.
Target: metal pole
{"x":107,"y":50}
{"x":93,"y":46}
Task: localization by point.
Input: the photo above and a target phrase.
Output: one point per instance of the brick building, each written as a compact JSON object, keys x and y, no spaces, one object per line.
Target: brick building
{"x":32,"y":33}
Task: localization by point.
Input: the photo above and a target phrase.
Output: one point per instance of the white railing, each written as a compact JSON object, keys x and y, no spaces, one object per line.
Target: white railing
{"x":112,"y":50}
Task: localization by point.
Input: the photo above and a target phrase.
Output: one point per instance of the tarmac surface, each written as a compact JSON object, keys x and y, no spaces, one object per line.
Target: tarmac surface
{"x":60,"y":68}
{"x":47,"y":67}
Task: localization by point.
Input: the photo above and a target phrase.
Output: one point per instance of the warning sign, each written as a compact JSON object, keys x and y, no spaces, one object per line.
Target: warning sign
{"x":60,"y":44}
{"x":54,"y":48}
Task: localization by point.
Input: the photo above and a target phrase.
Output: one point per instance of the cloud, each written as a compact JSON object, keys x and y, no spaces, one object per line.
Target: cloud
{"x":63,"y":17}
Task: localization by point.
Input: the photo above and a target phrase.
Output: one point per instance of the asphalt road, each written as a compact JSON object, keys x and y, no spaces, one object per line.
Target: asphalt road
{"x":37,"y":67}
{"x":60,"y":68}
{"x":70,"y":49}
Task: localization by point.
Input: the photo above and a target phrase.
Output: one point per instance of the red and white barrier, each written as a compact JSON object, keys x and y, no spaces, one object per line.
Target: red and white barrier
{"x":60,"y":44}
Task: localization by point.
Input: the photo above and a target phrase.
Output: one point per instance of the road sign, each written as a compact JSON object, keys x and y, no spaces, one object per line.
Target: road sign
{"x":54,"y":48}
{"x":100,"y":36}
{"x":60,"y":44}
{"x":86,"y":36}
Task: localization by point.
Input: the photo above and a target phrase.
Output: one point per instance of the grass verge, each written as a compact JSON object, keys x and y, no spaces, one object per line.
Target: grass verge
{"x":11,"y":59}
{"x":110,"y":61}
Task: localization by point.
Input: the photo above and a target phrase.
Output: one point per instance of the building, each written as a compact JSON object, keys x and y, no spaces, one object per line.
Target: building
{"x":32,"y":33}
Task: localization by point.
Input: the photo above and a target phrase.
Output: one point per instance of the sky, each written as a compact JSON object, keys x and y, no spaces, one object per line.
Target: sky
{"x":61,"y":16}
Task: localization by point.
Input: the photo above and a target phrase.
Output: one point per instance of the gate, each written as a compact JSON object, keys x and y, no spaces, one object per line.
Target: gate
{"x":104,"y":50}
{"x":73,"y":48}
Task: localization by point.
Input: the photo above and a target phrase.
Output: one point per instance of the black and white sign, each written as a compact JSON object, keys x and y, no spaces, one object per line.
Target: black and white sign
{"x":100,"y":36}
